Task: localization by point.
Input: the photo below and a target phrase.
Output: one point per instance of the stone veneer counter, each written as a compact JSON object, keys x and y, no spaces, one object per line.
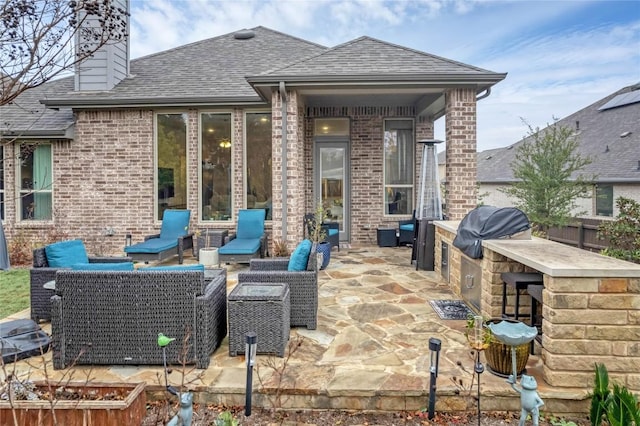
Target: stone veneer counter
{"x":555,"y":259}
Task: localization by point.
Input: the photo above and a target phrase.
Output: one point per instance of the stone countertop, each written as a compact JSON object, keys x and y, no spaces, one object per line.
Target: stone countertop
{"x":556,"y":259}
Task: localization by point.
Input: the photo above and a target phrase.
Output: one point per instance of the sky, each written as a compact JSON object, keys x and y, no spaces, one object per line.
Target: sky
{"x":560,"y":56}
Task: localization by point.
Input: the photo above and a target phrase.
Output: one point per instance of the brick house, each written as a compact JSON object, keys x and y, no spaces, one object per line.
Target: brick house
{"x":104,"y":152}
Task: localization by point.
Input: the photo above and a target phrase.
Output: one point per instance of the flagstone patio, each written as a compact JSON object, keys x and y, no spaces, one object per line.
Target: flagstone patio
{"x":369,"y":352}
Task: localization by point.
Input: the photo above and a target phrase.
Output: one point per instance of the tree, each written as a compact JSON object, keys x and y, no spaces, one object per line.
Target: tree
{"x":624,"y":232}
{"x":42,"y":39}
{"x":548,"y":179}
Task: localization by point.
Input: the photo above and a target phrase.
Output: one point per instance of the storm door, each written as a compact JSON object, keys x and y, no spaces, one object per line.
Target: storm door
{"x":332,"y":182}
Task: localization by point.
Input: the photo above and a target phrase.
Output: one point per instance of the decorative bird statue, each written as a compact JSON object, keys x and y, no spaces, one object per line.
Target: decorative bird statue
{"x":164,"y":340}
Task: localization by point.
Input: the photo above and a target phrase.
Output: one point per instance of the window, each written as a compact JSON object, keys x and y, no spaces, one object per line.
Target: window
{"x":171,"y":173}
{"x":258,"y":161}
{"x":399,"y":152}
{"x":215,"y":134}
{"x":604,"y":200}
{"x":34,"y":174}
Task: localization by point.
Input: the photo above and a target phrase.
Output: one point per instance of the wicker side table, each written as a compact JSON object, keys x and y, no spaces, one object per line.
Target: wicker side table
{"x":264,"y":309}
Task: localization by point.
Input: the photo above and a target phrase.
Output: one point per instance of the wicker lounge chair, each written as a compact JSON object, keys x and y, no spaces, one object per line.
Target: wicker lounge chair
{"x":42,"y":273}
{"x":249,"y":241}
{"x":174,"y":238}
{"x":407,"y":228}
{"x":114,"y":317}
{"x":303,"y":285}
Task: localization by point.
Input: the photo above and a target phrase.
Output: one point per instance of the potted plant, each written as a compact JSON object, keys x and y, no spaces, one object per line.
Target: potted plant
{"x":498,"y":355}
{"x":318,"y":234}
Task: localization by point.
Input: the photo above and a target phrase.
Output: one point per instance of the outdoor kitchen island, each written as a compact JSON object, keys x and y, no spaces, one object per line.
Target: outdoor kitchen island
{"x":590,"y":302}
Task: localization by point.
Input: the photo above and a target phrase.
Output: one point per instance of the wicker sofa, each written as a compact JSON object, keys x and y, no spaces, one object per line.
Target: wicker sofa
{"x":42,"y":273}
{"x":303,"y":285}
{"x":114,"y":317}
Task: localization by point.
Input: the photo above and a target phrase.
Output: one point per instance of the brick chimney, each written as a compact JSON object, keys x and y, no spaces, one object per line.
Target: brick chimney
{"x":109,"y":65}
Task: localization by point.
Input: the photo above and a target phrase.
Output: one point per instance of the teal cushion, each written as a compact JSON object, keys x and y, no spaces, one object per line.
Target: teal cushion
{"x":175,"y":223}
{"x":333,"y":231}
{"x":153,"y":245}
{"x":66,"y":254}
{"x":300,"y":256}
{"x":241,"y":246}
{"x":250,"y":223}
{"x":407,"y":227}
{"x":117,"y":266}
{"x":198,"y":267}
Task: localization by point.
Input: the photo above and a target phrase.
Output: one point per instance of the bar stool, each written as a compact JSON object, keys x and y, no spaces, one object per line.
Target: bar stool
{"x":535,"y":291}
{"x":519,"y":281}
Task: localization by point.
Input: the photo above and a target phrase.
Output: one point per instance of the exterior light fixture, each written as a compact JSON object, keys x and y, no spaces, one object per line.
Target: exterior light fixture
{"x":250,"y":355}
{"x":127,"y":240}
{"x":434,"y":347}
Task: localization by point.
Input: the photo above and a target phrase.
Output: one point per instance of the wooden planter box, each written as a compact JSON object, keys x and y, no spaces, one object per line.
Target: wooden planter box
{"x":129,"y":411}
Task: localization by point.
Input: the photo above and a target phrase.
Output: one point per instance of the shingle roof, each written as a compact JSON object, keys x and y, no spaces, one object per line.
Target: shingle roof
{"x":369,"y":56}
{"x":27,"y":117}
{"x":212,"y":69}
{"x":615,"y":158}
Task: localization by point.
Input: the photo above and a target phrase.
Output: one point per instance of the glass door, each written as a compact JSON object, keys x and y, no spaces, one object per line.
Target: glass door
{"x":332,"y":182}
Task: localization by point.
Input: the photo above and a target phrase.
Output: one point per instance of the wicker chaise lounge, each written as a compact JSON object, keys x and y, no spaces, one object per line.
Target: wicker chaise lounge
{"x":174,"y":238}
{"x":249,"y":241}
{"x":114,"y":317}
{"x":303,"y":285}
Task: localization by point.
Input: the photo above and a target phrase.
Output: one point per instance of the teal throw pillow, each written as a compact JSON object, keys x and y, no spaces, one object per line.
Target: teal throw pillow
{"x":300,"y":256}
{"x":198,"y":267}
{"x":117,"y":266}
{"x":65,"y":254}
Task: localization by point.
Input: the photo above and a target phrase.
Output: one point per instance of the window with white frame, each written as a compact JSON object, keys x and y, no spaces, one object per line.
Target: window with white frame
{"x":399,"y":151}
{"x":34,"y":174}
{"x":171,"y":162}
{"x":258,"y":161}
{"x":216,"y":167}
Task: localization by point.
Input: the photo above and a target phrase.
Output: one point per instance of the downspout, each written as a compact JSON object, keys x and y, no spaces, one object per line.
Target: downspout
{"x":484,"y":95}
{"x":283,"y":105}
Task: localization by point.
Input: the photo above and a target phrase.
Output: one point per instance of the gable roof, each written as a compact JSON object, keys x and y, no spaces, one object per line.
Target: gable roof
{"x":610,"y":137}
{"x":369,"y":60}
{"x":206,"y":72}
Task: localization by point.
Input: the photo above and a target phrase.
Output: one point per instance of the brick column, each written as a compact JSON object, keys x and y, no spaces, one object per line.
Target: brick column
{"x":295,"y":169}
{"x":460,"y":187}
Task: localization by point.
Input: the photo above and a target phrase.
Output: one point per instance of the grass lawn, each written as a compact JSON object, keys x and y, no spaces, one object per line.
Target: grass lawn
{"x":14,"y":291}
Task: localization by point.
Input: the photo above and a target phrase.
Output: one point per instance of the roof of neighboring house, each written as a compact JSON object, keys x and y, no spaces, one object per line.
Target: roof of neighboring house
{"x":610,"y":137}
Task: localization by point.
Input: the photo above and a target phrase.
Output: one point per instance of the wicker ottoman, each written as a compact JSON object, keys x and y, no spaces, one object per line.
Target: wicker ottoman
{"x":264,"y":309}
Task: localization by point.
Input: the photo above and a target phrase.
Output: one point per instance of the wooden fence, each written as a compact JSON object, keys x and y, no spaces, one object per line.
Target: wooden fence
{"x":582,"y":233}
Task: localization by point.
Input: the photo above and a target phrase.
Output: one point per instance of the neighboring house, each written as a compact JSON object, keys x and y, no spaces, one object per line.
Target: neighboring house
{"x":608,"y":132}
{"x":201,"y":127}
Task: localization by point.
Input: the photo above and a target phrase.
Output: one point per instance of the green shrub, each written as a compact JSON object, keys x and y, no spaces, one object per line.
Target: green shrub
{"x":618,"y":407}
{"x":624,"y":232}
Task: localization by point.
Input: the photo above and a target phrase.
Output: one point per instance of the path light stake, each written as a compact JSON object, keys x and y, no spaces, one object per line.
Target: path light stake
{"x":434,"y":347}
{"x":127,"y":240}
{"x":250,"y":355}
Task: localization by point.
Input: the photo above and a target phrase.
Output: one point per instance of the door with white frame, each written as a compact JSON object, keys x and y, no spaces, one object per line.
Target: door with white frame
{"x":332,"y":182}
